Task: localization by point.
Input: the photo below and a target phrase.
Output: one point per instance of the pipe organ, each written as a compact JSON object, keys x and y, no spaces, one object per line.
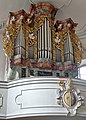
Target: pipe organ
{"x":68,"y":51}
{"x":36,"y":45}
{"x":44,"y":41}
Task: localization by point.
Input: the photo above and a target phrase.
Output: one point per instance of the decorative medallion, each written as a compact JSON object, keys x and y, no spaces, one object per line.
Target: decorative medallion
{"x":69,"y":97}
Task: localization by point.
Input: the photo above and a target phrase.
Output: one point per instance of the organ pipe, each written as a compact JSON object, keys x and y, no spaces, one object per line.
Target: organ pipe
{"x":48,"y":36}
{"x":40,"y":43}
{"x":50,"y":43}
{"x":44,"y":40}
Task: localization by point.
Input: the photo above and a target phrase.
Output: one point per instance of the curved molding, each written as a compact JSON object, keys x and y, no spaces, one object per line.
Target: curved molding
{"x":82,"y":32}
{"x":31,"y":2}
{"x":82,"y":28}
{"x":35,"y":97}
{"x":35,"y":94}
{"x":61,"y":4}
{"x":67,"y":4}
{"x":37,"y":80}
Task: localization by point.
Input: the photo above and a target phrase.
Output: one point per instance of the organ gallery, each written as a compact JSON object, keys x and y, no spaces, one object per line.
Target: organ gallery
{"x":37,"y":44}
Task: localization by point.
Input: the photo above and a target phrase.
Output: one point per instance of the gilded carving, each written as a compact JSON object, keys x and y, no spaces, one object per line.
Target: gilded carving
{"x":9,"y":36}
{"x":32,"y":36}
{"x":69,"y":96}
{"x":77,"y":51}
{"x":61,"y":37}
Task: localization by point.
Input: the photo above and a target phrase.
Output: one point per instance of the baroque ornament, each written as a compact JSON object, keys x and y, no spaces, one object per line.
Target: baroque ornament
{"x":69,"y":97}
{"x":30,"y":37}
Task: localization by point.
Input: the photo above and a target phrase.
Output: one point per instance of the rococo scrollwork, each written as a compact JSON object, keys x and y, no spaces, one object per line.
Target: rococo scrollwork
{"x":69,"y":97}
{"x":35,"y":41}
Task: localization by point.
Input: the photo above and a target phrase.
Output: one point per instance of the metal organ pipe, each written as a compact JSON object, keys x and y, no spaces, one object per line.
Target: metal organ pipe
{"x":40,"y":43}
{"x":50,"y":44}
{"x":47,"y":37}
{"x":44,"y":40}
{"x":49,"y":40}
{"x":48,"y":29}
{"x":38,"y":34}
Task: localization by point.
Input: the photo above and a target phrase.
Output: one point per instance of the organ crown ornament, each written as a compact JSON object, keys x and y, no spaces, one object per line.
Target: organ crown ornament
{"x":34,"y":42}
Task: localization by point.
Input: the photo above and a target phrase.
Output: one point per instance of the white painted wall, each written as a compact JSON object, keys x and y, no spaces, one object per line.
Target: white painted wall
{"x":11,"y":5}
